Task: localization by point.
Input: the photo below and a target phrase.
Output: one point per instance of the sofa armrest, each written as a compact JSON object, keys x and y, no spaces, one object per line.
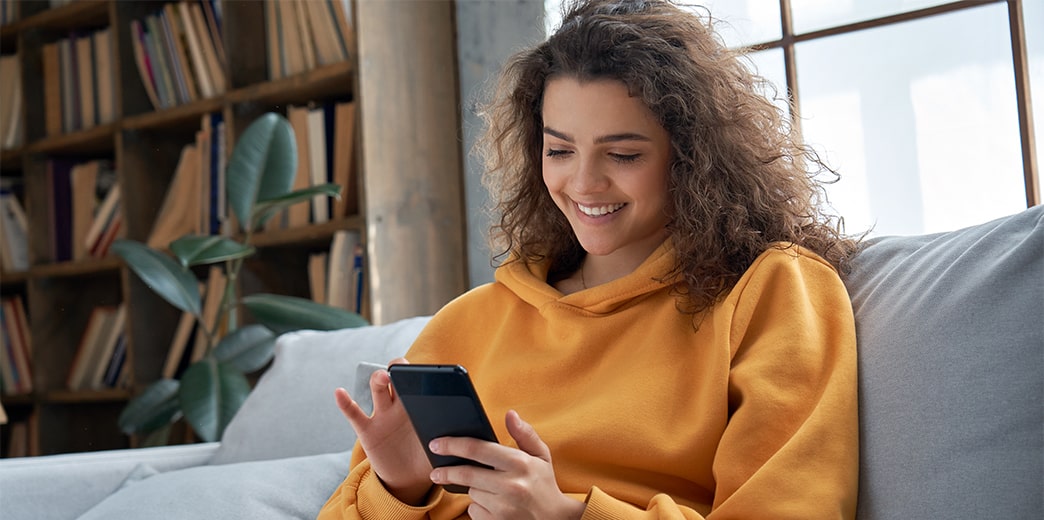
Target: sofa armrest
{"x":65,"y":486}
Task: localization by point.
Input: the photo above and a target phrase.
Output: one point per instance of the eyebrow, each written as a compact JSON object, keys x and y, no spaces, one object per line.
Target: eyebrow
{"x":612,"y":138}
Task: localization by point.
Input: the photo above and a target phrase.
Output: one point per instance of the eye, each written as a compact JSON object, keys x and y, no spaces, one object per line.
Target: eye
{"x":625,"y":158}
{"x":551,"y":152}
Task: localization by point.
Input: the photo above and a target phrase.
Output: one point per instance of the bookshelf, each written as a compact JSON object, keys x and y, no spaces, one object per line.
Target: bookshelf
{"x":401,"y":76}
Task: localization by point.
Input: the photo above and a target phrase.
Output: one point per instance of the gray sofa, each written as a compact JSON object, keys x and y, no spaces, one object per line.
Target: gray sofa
{"x":951,"y":338}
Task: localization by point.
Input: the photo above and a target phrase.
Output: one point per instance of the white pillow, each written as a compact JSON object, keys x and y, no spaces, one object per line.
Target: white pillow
{"x":288,"y":488}
{"x":292,"y":412}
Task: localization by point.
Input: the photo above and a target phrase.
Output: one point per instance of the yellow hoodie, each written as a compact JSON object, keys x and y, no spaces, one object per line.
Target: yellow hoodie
{"x":752,"y":415}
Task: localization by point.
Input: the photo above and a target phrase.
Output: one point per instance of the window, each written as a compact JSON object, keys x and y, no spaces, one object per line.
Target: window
{"x":922,"y":106}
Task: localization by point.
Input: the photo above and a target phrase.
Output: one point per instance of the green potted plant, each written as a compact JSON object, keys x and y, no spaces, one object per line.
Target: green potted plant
{"x":259,"y":180}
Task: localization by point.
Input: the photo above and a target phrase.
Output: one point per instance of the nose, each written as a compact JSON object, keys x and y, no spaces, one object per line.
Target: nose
{"x":588,"y":177}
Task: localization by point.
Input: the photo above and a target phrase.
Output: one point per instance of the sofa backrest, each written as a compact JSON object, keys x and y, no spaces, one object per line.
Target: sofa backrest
{"x":950,"y":332}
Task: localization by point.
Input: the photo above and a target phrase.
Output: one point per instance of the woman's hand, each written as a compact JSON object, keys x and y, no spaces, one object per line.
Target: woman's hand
{"x":389,"y":440}
{"x":521,"y":484}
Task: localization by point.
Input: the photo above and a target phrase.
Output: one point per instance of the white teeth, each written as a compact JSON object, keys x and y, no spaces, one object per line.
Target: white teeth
{"x":597,"y":211}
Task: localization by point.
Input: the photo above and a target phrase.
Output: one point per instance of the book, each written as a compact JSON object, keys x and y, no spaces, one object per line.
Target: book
{"x":195,"y":48}
{"x":117,"y":362}
{"x":298,"y":214}
{"x":210,"y":45}
{"x":11,"y":379}
{"x":179,"y":213}
{"x":179,"y":344}
{"x":12,"y":106}
{"x":213,"y":295}
{"x":342,"y":14}
{"x":84,"y":82}
{"x":14,"y":256}
{"x":82,"y":179}
{"x":175,"y":30}
{"x":59,"y":177}
{"x":68,"y":78}
{"x":52,"y":86}
{"x":318,"y":174}
{"x":317,"y":266}
{"x":88,"y":351}
{"x":340,"y":289}
{"x":324,"y":34}
{"x":343,"y":168}
{"x":103,"y":218}
{"x":90,"y":182}
{"x":156,"y":50}
{"x":114,"y":230}
{"x":144,"y":65}
{"x":169,"y":55}
{"x":213,"y":24}
{"x":293,"y":48}
{"x":18,"y":322}
{"x":273,"y":41}
{"x":107,"y":348}
{"x":104,"y":91}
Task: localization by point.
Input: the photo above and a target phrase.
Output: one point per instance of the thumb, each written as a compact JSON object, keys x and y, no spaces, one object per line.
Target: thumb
{"x":526,"y":437}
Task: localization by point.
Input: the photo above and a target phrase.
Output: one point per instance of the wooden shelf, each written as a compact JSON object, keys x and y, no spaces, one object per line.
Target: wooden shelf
{"x":97,"y":139}
{"x":109,"y":264}
{"x":328,"y":81}
{"x":74,"y":15}
{"x":305,"y":235}
{"x":85,"y":396}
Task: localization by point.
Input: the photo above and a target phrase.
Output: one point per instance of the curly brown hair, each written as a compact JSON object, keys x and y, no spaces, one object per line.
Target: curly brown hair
{"x":740,"y":178}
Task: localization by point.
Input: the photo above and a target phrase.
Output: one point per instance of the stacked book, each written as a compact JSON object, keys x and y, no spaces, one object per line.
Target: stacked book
{"x":12,"y":105}
{"x":179,"y":53}
{"x":306,"y":35}
{"x":336,"y":277}
{"x":15,"y":347}
{"x":78,"y":82}
{"x":14,"y":232}
{"x":102,"y":350}
{"x":196,"y":201}
{"x":84,"y":209}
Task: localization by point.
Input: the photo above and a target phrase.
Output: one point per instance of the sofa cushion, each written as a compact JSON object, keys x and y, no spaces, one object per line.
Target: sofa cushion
{"x":288,"y":488}
{"x":291,"y":412}
{"x":950,"y":332}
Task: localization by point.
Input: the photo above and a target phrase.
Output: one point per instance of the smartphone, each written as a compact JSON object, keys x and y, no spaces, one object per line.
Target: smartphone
{"x":441,"y":402}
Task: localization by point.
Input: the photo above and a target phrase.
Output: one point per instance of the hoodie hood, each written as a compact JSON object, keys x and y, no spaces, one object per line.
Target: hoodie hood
{"x":529,"y":282}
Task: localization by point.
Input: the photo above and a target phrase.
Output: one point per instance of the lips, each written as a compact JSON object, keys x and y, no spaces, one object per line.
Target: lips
{"x":600,"y":210}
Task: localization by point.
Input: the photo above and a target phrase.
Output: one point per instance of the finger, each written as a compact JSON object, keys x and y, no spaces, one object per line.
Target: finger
{"x":526,"y":436}
{"x":351,"y":410}
{"x":380,"y":389}
{"x":398,"y":361}
{"x":473,"y":477}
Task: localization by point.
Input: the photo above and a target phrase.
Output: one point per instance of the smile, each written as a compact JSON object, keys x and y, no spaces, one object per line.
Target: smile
{"x":598,"y":211}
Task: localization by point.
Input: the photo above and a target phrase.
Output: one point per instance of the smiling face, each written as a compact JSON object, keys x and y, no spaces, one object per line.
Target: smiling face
{"x":605,"y":163}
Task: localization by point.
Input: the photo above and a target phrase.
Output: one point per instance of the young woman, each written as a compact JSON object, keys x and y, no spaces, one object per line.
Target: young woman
{"x":668,"y":335}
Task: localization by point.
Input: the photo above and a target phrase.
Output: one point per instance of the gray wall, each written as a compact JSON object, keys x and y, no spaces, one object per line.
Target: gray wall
{"x":488,"y":31}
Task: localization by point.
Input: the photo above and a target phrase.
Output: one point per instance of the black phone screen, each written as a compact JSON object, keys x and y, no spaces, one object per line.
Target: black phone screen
{"x":441,"y":402}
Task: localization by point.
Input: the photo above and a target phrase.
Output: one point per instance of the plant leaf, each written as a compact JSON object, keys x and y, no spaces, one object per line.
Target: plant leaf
{"x":156,"y":407}
{"x":195,"y":250}
{"x":262,"y":166}
{"x":286,"y":313}
{"x":247,"y":349}
{"x":268,"y":207}
{"x":211,"y":394}
{"x":162,"y":274}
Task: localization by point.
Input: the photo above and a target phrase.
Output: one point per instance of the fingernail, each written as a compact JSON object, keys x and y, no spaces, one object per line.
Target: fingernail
{"x":435,"y":445}
{"x":436,"y":476}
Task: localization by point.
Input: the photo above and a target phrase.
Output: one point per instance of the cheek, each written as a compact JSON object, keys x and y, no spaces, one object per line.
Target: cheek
{"x":553,"y":179}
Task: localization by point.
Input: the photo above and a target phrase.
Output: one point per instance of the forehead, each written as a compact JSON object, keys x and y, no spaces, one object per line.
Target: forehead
{"x":594,"y":106}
